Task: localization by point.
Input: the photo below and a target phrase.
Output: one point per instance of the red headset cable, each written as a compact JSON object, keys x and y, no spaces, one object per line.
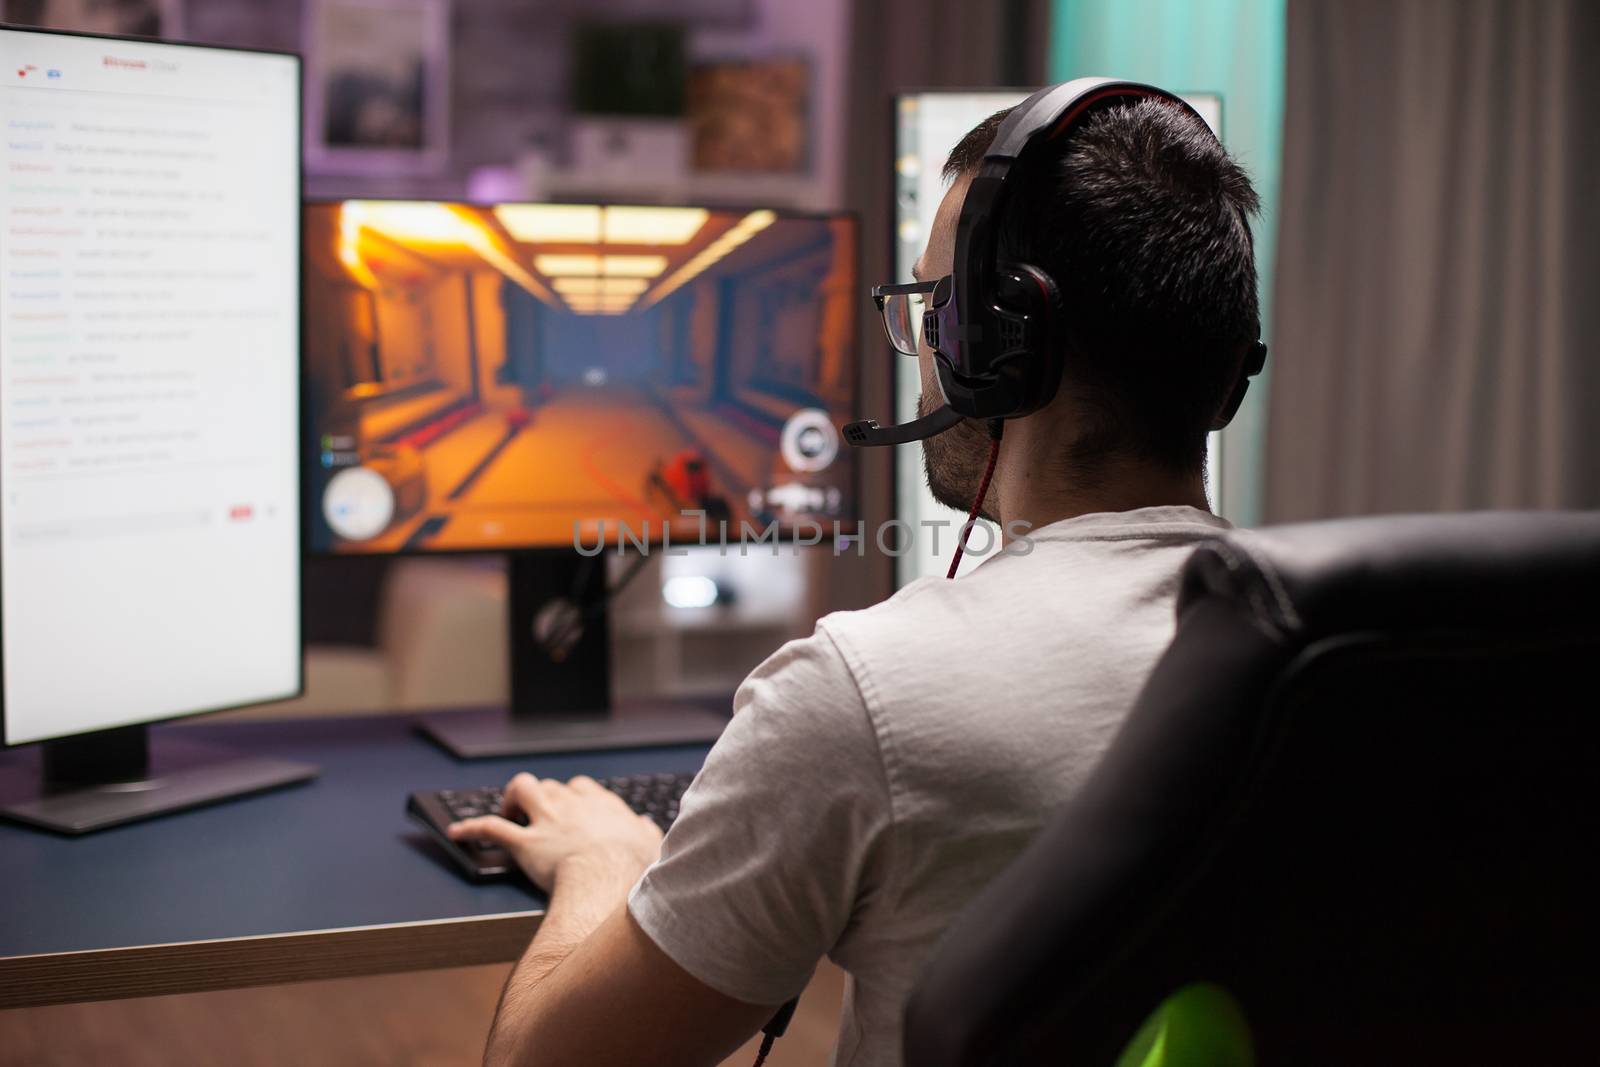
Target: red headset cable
{"x":996,"y":428}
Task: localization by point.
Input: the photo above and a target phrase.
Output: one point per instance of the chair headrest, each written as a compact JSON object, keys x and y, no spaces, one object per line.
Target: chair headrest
{"x":1468,"y":570}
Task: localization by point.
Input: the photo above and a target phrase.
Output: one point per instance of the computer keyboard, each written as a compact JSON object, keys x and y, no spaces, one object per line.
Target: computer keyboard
{"x":655,"y":795}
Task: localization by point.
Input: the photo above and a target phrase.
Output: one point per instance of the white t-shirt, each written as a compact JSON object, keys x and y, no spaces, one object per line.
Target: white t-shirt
{"x":877,"y":774}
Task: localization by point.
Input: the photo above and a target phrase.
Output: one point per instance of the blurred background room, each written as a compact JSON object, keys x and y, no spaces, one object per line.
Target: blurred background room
{"x":1427,"y":252}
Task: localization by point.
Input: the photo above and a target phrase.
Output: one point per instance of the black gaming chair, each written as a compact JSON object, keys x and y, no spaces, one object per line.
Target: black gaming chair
{"x":1353,"y":816}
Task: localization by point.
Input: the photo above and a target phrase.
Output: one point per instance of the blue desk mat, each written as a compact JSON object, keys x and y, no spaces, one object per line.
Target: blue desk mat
{"x":334,"y":853}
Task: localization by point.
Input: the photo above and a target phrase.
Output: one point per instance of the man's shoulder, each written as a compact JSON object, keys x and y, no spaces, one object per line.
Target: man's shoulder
{"x":893,"y":649}
{"x":1102,"y":555}
{"x":836,"y":682}
{"x":807,"y":684}
{"x":927,"y":608}
{"x":1103,"y":585}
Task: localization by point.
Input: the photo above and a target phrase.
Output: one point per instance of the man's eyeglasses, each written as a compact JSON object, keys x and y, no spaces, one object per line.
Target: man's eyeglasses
{"x":902,"y":307}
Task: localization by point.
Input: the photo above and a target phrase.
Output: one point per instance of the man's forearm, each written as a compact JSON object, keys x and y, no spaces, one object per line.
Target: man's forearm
{"x":587,"y":890}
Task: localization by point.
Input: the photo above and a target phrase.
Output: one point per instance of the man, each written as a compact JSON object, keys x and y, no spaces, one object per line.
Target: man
{"x":878,"y":773}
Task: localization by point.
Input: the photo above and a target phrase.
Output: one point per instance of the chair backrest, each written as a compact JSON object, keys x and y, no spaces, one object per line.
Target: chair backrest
{"x":1358,"y":793}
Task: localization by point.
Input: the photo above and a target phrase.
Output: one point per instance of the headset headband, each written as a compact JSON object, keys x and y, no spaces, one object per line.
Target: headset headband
{"x":1042,"y":118}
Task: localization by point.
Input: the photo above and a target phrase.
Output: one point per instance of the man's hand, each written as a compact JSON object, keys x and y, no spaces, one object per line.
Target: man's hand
{"x":579,"y":824}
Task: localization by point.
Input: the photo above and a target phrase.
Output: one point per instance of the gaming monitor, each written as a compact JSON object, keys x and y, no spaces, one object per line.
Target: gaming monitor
{"x":150,"y":534}
{"x":547,"y":380}
{"x":526,"y":376}
{"x":928,"y":125}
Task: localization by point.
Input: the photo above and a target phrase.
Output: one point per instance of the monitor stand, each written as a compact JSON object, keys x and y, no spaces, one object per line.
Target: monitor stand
{"x":109,"y":777}
{"x":560,"y":652}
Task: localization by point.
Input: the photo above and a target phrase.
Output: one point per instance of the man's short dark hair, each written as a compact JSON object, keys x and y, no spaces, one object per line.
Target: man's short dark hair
{"x":1142,"y":218}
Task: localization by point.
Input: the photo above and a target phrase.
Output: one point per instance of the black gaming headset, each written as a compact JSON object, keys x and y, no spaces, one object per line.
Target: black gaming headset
{"x":993,"y":326}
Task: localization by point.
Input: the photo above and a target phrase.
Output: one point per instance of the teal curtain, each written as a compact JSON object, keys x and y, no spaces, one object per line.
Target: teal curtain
{"x":1231,"y":47}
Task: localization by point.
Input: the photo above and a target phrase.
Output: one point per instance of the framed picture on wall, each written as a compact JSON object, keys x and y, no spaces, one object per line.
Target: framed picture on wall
{"x":377,"y":86}
{"x":750,"y":115}
{"x":140,"y":18}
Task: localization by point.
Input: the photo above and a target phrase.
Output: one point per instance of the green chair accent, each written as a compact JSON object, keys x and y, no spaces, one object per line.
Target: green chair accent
{"x":1201,"y":1025}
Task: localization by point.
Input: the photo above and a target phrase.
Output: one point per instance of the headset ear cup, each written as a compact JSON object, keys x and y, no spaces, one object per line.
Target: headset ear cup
{"x":1255,"y":359}
{"x":1231,"y":408}
{"x":1033,"y":298}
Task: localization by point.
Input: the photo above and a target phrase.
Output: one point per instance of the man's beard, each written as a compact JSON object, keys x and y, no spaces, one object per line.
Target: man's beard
{"x":954,"y":460}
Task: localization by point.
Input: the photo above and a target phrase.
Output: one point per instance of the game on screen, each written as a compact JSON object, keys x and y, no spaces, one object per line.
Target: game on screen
{"x":485,"y":378}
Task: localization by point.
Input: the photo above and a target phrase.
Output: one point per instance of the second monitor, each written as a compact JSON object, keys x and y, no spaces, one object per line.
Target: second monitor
{"x":552,"y":377}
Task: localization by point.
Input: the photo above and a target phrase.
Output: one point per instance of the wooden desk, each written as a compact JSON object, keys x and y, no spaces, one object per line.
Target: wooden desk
{"x":323,"y":880}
